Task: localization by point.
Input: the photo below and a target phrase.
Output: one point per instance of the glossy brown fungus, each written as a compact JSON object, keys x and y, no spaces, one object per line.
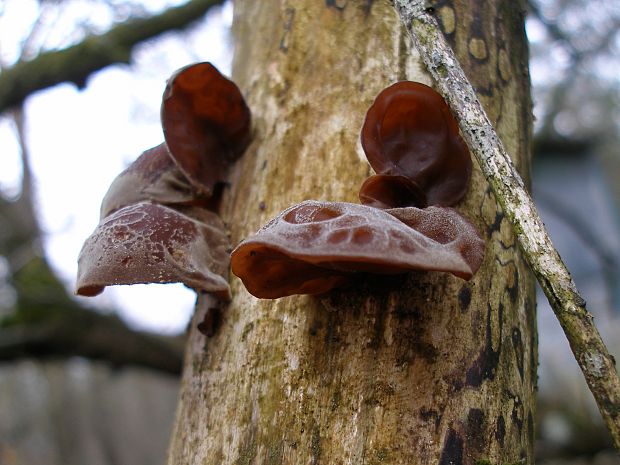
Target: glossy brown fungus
{"x":154,"y":177}
{"x":314,"y":246}
{"x":446,"y":226}
{"x":206,"y":124}
{"x":150,"y":243}
{"x":391,"y":191}
{"x":157,"y":219}
{"x":409,"y":131}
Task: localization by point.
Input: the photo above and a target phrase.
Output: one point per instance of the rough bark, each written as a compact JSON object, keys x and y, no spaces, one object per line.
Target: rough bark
{"x":419,"y":369}
{"x":593,"y":357}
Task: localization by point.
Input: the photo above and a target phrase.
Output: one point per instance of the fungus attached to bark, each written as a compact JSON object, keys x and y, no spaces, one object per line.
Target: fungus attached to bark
{"x":157,"y":220}
{"x":313,"y":247}
{"x":412,"y":141}
{"x":206,"y":124}
{"x":152,"y":177}
{"x":391,"y":191}
{"x":409,"y":131}
{"x":150,"y":243}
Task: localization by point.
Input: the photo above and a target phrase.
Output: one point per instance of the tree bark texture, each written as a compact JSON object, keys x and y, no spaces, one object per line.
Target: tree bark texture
{"x":420,"y":369}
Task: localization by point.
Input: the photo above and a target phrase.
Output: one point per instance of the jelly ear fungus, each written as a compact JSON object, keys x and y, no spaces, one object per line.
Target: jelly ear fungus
{"x":313,"y":247}
{"x":206,"y":124}
{"x":412,"y":141}
{"x":409,"y":131}
{"x":158,"y":220}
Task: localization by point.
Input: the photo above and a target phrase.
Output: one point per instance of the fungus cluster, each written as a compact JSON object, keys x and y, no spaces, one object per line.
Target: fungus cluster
{"x":404,"y":223}
{"x":158,"y":222}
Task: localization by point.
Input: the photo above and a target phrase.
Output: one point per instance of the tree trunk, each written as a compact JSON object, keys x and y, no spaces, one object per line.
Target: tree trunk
{"x":420,"y":369}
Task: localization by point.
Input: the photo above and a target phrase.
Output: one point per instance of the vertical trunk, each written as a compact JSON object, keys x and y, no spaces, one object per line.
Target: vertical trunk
{"x":419,"y":369}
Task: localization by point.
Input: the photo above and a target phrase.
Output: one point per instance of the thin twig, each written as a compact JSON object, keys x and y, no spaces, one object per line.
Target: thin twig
{"x":584,"y":339}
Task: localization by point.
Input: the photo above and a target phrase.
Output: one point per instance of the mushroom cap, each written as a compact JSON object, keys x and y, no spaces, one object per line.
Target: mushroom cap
{"x":410,"y":131}
{"x":150,"y":243}
{"x":446,"y":225}
{"x":154,"y":177}
{"x":206,"y":123}
{"x":314,"y":246}
{"x":391,"y":191}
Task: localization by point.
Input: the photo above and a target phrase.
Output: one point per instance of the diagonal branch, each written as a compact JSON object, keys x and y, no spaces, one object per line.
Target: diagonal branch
{"x":75,"y":64}
{"x":590,"y":352}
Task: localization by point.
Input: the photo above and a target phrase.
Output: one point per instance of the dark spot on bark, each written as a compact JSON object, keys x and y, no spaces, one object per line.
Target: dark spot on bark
{"x":475,"y":431}
{"x":315,"y":326}
{"x":335,"y":401}
{"x":496,"y":225}
{"x":500,"y":430}
{"x":513,"y":291}
{"x":452,"y":452}
{"x":517,"y":413}
{"x":375,"y":343}
{"x":534,"y":364}
{"x":330,"y":335}
{"x":457,"y":385}
{"x":289,"y":16}
{"x":262,"y":205}
{"x":530,"y":311}
{"x":517,"y":344}
{"x":485,"y":365}
{"x":407,"y":313}
{"x":487,"y":90}
{"x":477,"y":26}
{"x":315,"y":444}
{"x":426,"y":350}
{"x":211,"y":321}
{"x":368,"y":6}
{"x":530,"y":427}
{"x":246,"y":330}
{"x":464,"y":298}
{"x":437,"y":5}
{"x":339,"y":5}
{"x":431,"y":415}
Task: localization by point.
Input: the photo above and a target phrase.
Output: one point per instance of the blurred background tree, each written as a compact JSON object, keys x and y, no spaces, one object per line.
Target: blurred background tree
{"x":118,"y":409}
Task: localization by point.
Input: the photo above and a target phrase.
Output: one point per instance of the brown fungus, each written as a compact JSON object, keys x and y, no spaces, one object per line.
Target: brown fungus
{"x":206,"y":124}
{"x":314,"y":246}
{"x":150,"y":243}
{"x":154,"y":177}
{"x":391,"y":191}
{"x":157,"y":220}
{"x":409,"y":131}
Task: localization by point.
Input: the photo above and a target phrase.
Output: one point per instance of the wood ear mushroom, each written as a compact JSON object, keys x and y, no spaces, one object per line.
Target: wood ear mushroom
{"x":423,"y":166}
{"x":158,"y":220}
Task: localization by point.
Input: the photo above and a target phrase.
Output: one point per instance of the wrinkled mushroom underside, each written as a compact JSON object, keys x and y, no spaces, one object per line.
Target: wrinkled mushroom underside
{"x":318,"y":245}
{"x":157,"y":222}
{"x":152,"y":177}
{"x":149,"y":243}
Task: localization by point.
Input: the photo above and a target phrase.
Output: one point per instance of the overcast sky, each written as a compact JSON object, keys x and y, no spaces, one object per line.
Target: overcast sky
{"x":80,"y":141}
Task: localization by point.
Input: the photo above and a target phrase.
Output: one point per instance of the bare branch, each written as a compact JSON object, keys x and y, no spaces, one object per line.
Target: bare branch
{"x":589,"y":350}
{"x":75,"y":64}
{"x":85,"y":333}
